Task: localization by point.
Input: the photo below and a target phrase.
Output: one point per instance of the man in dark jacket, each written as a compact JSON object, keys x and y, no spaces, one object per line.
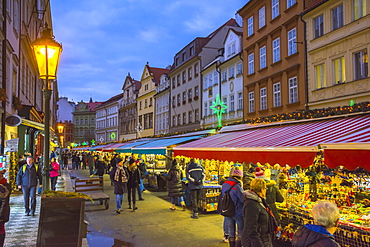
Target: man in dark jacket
{"x":195,"y":175}
{"x":326,"y":216}
{"x":27,"y":181}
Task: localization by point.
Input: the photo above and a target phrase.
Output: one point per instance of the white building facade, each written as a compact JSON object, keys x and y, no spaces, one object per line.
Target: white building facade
{"x":162,"y":105}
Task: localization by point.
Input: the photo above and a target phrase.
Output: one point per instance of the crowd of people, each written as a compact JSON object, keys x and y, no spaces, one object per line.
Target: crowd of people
{"x":253,"y":193}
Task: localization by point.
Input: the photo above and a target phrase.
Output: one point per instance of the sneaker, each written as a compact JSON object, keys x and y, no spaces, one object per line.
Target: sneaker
{"x":194,"y":216}
{"x":141,"y":199}
{"x":118,"y":211}
{"x":226,"y":238}
{"x":135,"y":208}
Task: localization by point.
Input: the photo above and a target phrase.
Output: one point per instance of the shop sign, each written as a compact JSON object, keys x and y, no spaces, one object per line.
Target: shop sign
{"x":13,"y":120}
{"x":12,"y":145}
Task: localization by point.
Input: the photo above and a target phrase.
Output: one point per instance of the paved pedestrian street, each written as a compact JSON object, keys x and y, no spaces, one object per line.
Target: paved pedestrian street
{"x":21,"y":230}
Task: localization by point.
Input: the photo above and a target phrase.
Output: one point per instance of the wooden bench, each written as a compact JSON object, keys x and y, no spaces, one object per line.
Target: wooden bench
{"x":93,"y":187}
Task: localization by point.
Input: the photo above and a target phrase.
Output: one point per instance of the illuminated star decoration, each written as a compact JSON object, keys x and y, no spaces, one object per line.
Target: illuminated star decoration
{"x":218,"y":108}
{"x":113,"y":136}
{"x":93,"y":142}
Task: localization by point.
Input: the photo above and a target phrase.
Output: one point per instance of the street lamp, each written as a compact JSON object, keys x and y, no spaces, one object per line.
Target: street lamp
{"x":47,"y":52}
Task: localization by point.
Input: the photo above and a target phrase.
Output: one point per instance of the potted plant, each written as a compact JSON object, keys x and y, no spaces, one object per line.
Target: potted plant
{"x":3,"y":95}
{"x":62,"y":219}
{"x":17,"y":103}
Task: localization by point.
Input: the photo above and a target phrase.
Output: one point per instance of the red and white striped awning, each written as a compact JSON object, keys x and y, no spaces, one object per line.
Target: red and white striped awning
{"x":271,"y":144}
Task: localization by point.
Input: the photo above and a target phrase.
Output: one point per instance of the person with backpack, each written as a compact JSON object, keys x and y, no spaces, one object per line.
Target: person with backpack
{"x":174,"y":178}
{"x":27,"y":181}
{"x":195,"y":175}
{"x":231,"y":206}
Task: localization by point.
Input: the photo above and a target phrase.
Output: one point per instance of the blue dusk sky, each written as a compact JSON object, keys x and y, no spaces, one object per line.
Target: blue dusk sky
{"x":104,"y":40}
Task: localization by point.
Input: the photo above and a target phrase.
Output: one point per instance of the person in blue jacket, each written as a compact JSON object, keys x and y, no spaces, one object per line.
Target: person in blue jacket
{"x":195,"y":175}
{"x":234,"y":186}
{"x":27,"y":178}
{"x":321,"y":234}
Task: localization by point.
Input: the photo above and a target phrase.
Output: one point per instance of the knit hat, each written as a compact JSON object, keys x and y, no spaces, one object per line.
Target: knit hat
{"x":237,"y":173}
{"x":131,"y":161}
{"x":259,"y":173}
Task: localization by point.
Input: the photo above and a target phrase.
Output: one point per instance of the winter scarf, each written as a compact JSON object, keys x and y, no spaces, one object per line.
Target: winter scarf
{"x":120,"y":174}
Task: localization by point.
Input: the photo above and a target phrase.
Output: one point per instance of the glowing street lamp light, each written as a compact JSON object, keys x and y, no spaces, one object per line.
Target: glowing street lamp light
{"x":47,"y":53}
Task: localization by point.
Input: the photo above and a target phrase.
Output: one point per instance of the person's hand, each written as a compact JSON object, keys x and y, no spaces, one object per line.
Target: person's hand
{"x":19,"y":186}
{"x":40,"y":185}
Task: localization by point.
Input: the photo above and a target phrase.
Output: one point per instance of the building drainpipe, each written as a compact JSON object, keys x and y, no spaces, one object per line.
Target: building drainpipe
{"x":305,"y":60}
{"x":200,"y":92}
{"x":241,"y":58}
{"x":3,"y":103}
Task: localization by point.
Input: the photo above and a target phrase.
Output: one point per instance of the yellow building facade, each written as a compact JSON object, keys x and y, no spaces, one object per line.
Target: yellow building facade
{"x":338,"y":42}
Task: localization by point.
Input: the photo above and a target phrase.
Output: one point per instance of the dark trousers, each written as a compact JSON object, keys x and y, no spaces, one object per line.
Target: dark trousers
{"x":29,"y":193}
{"x":53,"y":182}
{"x":131,"y":192}
{"x":194,"y":199}
{"x":2,"y":239}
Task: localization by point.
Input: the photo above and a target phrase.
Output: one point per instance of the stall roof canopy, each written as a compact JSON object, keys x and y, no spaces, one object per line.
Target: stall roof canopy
{"x":126,"y":147}
{"x":160,"y":146}
{"x":110,"y":147}
{"x":270,"y":144}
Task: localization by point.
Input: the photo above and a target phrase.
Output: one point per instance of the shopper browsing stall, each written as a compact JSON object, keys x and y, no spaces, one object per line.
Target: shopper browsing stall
{"x":195,"y":175}
{"x":174,"y":178}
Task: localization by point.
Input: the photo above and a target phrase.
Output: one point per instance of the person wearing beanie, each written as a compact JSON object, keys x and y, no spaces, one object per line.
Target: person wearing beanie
{"x":195,"y":175}
{"x":233,"y":185}
{"x":119,"y":176}
{"x":100,"y":166}
{"x":259,"y":173}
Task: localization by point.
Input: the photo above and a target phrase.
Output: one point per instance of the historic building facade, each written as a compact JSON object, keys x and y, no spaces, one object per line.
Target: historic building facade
{"x":338,"y":42}
{"x":274,"y":57}
{"x":128,"y":109}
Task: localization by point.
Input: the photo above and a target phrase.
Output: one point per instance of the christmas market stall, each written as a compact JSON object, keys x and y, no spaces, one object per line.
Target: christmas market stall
{"x":313,"y":159}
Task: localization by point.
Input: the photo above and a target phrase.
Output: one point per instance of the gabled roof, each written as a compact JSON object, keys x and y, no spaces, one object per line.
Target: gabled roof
{"x":93,"y":105}
{"x":157,"y":73}
{"x":112,"y":99}
{"x":312,"y":5}
{"x":231,"y":22}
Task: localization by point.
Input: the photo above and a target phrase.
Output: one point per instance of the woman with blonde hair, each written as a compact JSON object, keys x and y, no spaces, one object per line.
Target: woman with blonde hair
{"x":257,"y":216}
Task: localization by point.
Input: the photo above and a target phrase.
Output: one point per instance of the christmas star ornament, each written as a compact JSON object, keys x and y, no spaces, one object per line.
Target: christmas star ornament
{"x":218,"y":108}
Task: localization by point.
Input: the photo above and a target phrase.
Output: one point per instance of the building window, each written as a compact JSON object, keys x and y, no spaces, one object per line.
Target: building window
{"x":190,"y":71}
{"x":210,"y":92}
{"x":184,"y":118}
{"x":250,"y":63}
{"x":319,"y":26}
{"x":231,"y":49}
{"x":178,"y":80}
{"x":146,"y":103}
{"x":215,"y":77}
{"x":151,"y":102}
{"x":240,"y":101}
{"x":190,"y":95}
{"x":205,"y":109}
{"x":178,"y":100}
{"x":178,"y":120}
{"x":173,"y":82}
{"x":251,"y":101}
{"x":275,"y":9}
{"x":183,"y":77}
{"x":190,"y":116}
{"x":231,"y":72}
{"x":224,"y":76}
{"x":360,"y":62}
{"x":210,"y":79}
{"x":191,"y":51}
{"x":240,"y":69}
{"x":359,"y":9}
{"x":196,"y":70}
{"x":276,"y":50}
{"x":293,"y":90}
{"x":184,"y":98}
{"x":173,"y":120}
{"x":140,"y":105}
{"x":205,"y":82}
{"x":337,"y":17}
{"x":224,"y":99}
{"x":277,"y":94}
{"x":339,"y":72}
{"x":320,"y":76}
{"x":290,"y":3}
{"x":196,"y":115}
{"x":261,"y":17}
{"x":292,"y":45}
{"x":92,"y":121}
{"x":232,"y":102}
{"x":263,"y":57}
{"x":263,"y":98}
{"x":196,"y":91}
{"x":76,"y":121}
{"x":250,"y":26}
{"x":184,"y":56}
{"x":173,"y":101}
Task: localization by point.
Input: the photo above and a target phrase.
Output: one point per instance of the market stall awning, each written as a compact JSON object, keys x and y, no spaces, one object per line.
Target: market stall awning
{"x":95,"y":148}
{"x":294,"y":143}
{"x":109,"y":147}
{"x":126,"y":147}
{"x":160,"y":146}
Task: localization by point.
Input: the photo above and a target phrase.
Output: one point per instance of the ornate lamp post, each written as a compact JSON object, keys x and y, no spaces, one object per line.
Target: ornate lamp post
{"x":47,"y":52}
